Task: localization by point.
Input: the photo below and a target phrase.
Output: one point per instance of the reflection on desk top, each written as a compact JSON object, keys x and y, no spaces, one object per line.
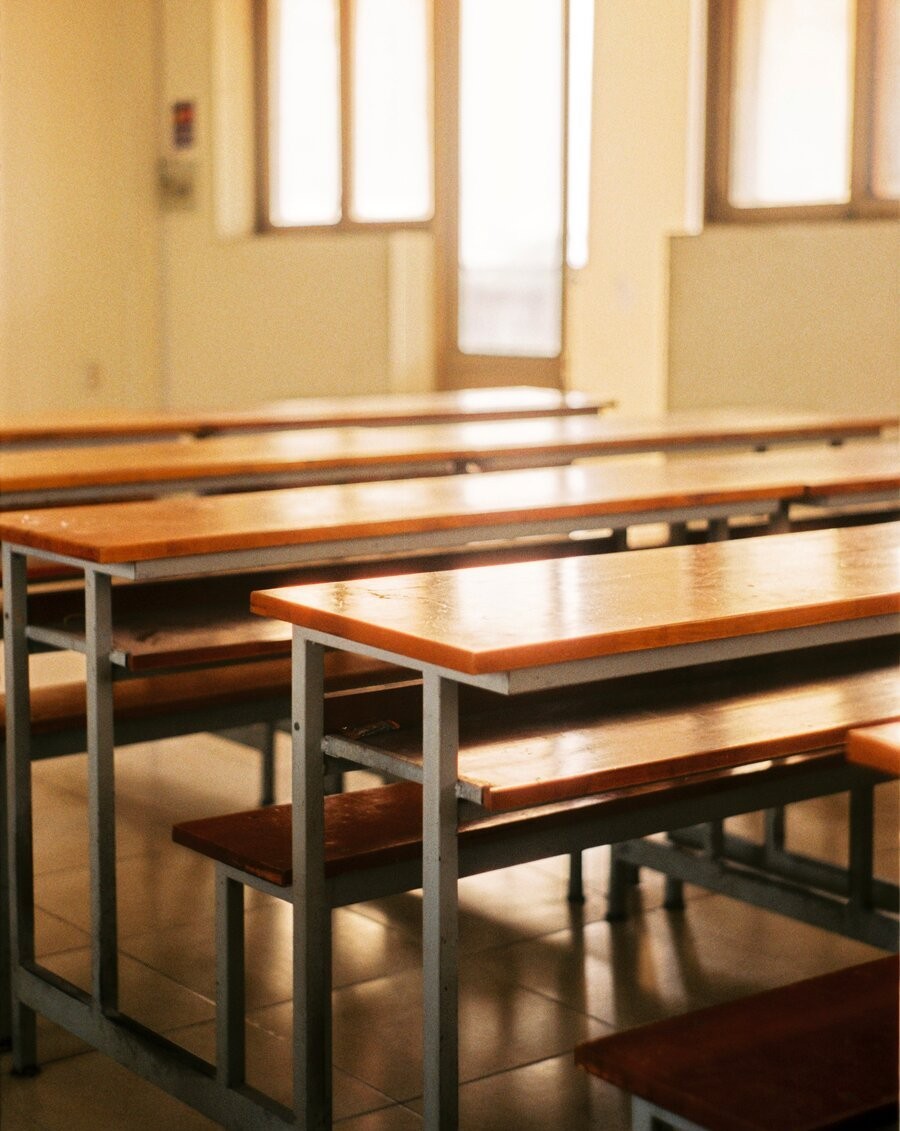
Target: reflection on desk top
{"x":343,"y":450}
{"x":494,"y":403}
{"x":501,"y":618}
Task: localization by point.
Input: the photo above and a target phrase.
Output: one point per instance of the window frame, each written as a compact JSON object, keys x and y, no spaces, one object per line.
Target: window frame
{"x":862,"y":202}
{"x":346,"y":223}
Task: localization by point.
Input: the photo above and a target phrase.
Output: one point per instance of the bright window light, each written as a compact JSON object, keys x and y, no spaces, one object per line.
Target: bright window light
{"x":391,"y":111}
{"x":305,"y":171}
{"x":792,"y":102}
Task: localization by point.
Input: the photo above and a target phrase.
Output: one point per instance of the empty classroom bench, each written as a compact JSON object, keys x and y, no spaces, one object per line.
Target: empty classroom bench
{"x":749,"y":751}
{"x":814,"y":1055}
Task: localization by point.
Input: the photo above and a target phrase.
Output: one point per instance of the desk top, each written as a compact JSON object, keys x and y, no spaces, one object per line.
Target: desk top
{"x":177,"y":527}
{"x":354,"y":452}
{"x":495,"y":403}
{"x":533,"y":614}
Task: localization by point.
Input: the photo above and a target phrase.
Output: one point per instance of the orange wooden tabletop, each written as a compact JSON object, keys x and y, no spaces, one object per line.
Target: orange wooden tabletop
{"x":494,"y":403}
{"x":344,"y":449}
{"x":501,"y":618}
{"x":174,"y":527}
{"x":877,"y":747}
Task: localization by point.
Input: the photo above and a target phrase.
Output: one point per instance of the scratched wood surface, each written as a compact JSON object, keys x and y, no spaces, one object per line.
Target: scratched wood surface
{"x":343,"y":450}
{"x":501,"y":618}
{"x":503,"y":402}
{"x":173,"y":527}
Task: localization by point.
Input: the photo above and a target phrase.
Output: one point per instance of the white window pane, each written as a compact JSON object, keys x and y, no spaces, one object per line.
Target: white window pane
{"x":581,"y":62}
{"x":305,"y":154}
{"x":391,"y":110}
{"x":886,"y":141}
{"x":510,"y":253}
{"x":792,"y":101}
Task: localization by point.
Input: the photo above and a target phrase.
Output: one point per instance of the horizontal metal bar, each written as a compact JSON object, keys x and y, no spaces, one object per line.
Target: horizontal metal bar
{"x":793,"y":866}
{"x":704,"y":651}
{"x":149,"y":1054}
{"x":766,"y":891}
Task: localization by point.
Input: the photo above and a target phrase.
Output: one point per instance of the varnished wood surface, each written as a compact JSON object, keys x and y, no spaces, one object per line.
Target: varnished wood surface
{"x":383,"y":826}
{"x":341,"y":450}
{"x":507,"y":402}
{"x":205,"y":620}
{"x":821,"y":1053}
{"x":553,"y":747}
{"x":174,"y":527}
{"x":877,"y":747}
{"x":514,"y":616}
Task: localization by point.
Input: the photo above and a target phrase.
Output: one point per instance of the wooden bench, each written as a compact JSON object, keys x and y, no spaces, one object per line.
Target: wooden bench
{"x":246,"y":701}
{"x":876,"y":747}
{"x":814,"y":1055}
{"x":744,"y":757}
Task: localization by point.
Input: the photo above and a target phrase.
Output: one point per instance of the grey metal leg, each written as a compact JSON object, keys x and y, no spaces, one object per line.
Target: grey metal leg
{"x":101,"y":792}
{"x":18,"y":1021}
{"x":440,"y":875}
{"x":861,"y":862}
{"x":717,"y":530}
{"x":267,"y":765}
{"x":622,"y":875}
{"x":312,"y":915}
{"x":230,"y":996}
{"x":576,"y":879}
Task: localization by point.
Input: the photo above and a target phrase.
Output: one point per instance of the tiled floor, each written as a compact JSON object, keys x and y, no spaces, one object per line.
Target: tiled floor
{"x":538,"y":975}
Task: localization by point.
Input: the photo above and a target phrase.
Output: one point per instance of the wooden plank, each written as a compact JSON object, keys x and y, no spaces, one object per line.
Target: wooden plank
{"x":546,"y":748}
{"x":505,"y":402}
{"x":816,"y":1054}
{"x":341,"y":452}
{"x":536,"y":613}
{"x":142,"y":531}
{"x":877,"y":747}
{"x":208,"y":620}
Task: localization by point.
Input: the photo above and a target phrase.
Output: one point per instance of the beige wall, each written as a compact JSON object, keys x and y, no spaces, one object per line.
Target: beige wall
{"x":641,"y":185}
{"x":794,"y":316}
{"x":105,"y":298}
{"x":79,"y":263}
{"x":247,"y":316}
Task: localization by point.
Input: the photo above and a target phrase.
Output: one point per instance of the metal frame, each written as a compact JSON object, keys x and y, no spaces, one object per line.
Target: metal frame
{"x":95,"y":1016}
{"x":513,"y":845}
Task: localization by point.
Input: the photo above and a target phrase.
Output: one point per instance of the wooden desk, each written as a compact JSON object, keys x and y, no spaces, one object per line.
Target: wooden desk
{"x":511,"y":402}
{"x":103,"y":542}
{"x":231,"y":463}
{"x":587,"y":619}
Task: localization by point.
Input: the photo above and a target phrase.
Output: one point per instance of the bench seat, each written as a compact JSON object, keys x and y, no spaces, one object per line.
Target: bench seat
{"x":816,"y":1054}
{"x":383,"y":827}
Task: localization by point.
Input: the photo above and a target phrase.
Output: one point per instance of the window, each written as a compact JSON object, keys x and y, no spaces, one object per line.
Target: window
{"x":515,"y":87}
{"x":804,"y":109}
{"x":345,"y":113}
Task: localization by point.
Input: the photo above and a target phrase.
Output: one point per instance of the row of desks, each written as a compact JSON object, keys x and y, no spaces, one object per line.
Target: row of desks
{"x":228,"y":463}
{"x":511,"y":402}
{"x":586,"y":618}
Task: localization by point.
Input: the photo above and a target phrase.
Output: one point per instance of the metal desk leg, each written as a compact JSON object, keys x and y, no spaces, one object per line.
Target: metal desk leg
{"x":231,"y":1001}
{"x":101,"y":792}
{"x":312,"y":915}
{"x":440,"y":877}
{"x":18,"y":1021}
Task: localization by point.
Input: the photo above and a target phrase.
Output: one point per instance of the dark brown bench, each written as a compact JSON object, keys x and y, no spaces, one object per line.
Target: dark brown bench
{"x":373,"y":837}
{"x":814,"y":1055}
